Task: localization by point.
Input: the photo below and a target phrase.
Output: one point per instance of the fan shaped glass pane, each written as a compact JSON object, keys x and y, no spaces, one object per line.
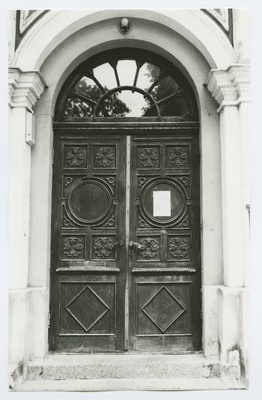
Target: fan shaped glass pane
{"x":176,"y":106}
{"x":148,"y":73}
{"x":165,"y":87}
{"x":126,"y":71}
{"x":87,"y":87}
{"x":76,"y":108}
{"x":104,"y":73}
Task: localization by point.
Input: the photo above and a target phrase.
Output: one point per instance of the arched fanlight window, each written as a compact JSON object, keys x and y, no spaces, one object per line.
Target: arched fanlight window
{"x":126,"y":83}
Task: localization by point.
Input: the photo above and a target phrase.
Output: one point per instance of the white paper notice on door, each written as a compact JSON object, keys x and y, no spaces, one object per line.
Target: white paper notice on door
{"x":162,"y":203}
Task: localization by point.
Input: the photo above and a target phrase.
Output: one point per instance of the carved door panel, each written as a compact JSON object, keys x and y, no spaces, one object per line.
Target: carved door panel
{"x":164,"y":253}
{"x":88,"y":251}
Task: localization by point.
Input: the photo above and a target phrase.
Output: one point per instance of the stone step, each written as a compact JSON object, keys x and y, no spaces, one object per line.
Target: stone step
{"x":122,"y":366}
{"x":78,"y":385}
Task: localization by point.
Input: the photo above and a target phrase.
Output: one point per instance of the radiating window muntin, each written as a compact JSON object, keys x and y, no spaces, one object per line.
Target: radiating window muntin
{"x":131,"y":85}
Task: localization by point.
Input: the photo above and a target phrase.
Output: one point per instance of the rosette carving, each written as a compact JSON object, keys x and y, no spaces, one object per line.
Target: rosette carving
{"x":178,"y":247}
{"x":177,"y":156}
{"x":103,"y":246}
{"x":148,"y":157}
{"x":105,"y":157}
{"x":75,"y":156}
{"x":72,"y":247}
{"x":148,"y":247}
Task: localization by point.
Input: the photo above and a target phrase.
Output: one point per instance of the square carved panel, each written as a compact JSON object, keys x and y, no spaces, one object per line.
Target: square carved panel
{"x":75,"y":156}
{"x":73,"y":247}
{"x":103,"y":247}
{"x":177,"y":157}
{"x":179,"y":248}
{"x":148,"y":157}
{"x":104,"y":157}
{"x":149,"y":248}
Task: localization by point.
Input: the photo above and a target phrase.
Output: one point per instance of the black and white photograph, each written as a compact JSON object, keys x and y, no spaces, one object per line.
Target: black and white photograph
{"x":130,"y":154}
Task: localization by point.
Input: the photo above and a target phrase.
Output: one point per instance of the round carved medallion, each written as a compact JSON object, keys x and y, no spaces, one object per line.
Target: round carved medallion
{"x":162,"y":201}
{"x":89,"y":201}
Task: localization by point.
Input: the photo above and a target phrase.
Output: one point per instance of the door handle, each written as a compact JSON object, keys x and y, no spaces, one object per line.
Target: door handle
{"x":134,"y":244}
{"x":119,"y":243}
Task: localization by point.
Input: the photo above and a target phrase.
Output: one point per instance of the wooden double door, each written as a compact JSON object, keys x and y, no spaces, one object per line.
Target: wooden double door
{"x":125,"y":263}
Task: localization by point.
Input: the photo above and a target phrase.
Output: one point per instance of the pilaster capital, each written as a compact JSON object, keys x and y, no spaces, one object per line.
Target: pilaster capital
{"x":240,"y":77}
{"x":25,"y":88}
{"x":230,"y":87}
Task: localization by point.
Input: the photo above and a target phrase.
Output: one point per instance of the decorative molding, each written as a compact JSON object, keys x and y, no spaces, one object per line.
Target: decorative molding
{"x":223,"y":19}
{"x":142,"y":181}
{"x":221,"y":86}
{"x":221,"y":16}
{"x":184,"y":223}
{"x":110,"y":223}
{"x":11,"y":52}
{"x":230,"y":87}
{"x":188,"y":125}
{"x":184,"y":180}
{"x":25,"y":20}
{"x":68,"y":180}
{"x":68,"y":222}
{"x":27,"y":17}
{"x":240,"y":76}
{"x":111,"y":180}
{"x":143,"y":223}
{"x":174,"y":270}
{"x":25,"y":88}
{"x":88,"y":269}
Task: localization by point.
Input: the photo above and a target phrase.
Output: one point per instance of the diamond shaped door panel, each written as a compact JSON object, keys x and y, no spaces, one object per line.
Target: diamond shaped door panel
{"x":163,"y":308}
{"x":87,"y":307}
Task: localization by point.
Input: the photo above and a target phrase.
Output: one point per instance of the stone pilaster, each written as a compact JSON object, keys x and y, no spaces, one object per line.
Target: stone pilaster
{"x":25,"y":88}
{"x":231,"y":90}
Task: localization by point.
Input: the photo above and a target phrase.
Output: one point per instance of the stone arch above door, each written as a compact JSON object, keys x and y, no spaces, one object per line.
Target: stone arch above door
{"x":57,"y":26}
